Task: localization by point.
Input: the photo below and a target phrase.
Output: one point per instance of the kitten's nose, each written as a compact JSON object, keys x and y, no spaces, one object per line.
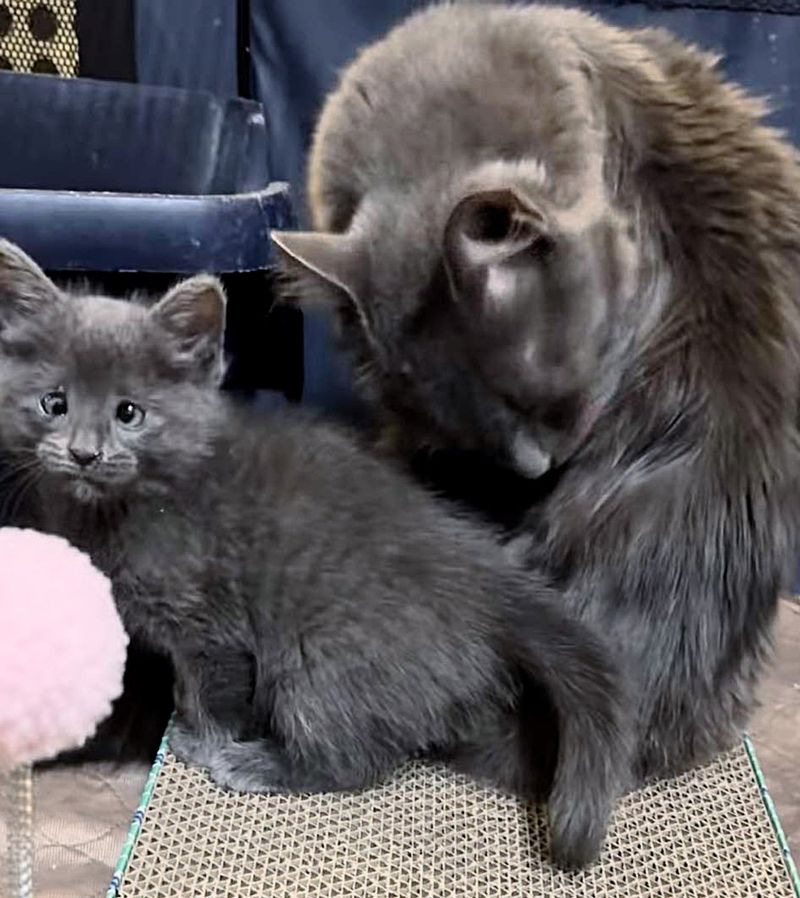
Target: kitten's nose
{"x":84,"y":457}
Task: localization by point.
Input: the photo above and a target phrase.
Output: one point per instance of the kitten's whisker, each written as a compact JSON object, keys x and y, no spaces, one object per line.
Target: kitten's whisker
{"x":13,"y":467}
{"x":22,"y":487}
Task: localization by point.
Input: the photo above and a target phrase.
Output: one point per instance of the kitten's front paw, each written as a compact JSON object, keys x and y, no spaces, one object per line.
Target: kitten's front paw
{"x":246,"y":767}
{"x":192,"y":747}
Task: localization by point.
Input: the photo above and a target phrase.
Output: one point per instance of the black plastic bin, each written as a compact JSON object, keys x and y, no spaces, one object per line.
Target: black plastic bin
{"x":130,"y":186}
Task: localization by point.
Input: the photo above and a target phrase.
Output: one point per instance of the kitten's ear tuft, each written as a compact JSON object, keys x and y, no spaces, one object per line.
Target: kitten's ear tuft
{"x":192,"y":314}
{"x":492,"y":236}
{"x":25,"y":289}
{"x":314,"y":262}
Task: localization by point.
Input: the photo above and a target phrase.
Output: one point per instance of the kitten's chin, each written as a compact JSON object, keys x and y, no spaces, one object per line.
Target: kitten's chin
{"x":86,"y":492}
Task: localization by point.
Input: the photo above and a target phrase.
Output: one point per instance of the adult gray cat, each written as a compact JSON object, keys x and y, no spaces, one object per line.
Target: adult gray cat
{"x":326,"y":618}
{"x":576,"y":249}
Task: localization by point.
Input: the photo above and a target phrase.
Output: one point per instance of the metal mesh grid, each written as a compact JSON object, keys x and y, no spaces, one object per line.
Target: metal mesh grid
{"x":39,"y":36}
{"x":429,"y":833}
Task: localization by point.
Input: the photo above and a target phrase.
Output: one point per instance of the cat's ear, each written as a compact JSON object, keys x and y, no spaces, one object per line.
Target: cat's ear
{"x":192,"y":315}
{"x":493,"y":241}
{"x":25,"y":290}
{"x":316,"y":262}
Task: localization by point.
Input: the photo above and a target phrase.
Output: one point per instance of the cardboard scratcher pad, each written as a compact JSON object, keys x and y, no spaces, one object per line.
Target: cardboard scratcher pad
{"x":429,"y":832}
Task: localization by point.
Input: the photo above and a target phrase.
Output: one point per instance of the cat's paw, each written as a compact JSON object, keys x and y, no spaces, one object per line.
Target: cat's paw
{"x":197,"y":749}
{"x":246,"y":767}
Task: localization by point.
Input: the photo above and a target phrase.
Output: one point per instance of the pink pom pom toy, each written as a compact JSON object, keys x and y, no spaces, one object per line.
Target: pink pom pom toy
{"x":62,"y":647}
{"x":62,"y":657}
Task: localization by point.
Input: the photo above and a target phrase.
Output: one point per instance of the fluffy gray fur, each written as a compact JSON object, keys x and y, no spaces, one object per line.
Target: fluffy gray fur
{"x":326,"y":618}
{"x":577,"y":249}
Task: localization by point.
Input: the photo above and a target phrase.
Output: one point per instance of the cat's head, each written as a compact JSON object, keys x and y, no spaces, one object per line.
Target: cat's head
{"x":492,"y":321}
{"x":104,"y":398}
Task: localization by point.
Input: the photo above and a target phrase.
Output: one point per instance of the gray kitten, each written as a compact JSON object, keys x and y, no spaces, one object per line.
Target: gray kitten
{"x":576,"y":250}
{"x":326,"y":618}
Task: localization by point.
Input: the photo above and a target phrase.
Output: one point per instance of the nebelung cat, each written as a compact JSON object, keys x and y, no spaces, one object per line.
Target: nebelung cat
{"x":326,"y":618}
{"x":576,"y":249}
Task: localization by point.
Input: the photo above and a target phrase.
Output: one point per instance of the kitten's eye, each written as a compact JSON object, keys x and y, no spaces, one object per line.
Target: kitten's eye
{"x":130,"y":414}
{"x":54,"y":404}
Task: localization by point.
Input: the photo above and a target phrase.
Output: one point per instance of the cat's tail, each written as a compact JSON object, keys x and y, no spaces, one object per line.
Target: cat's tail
{"x":587,"y":689}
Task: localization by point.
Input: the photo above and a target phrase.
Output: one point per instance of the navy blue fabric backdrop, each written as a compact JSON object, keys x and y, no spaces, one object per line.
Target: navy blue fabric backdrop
{"x":187,"y":43}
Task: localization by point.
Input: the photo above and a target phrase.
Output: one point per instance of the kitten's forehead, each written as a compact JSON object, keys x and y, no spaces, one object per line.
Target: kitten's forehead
{"x":106,"y":313}
{"x":105,"y":335}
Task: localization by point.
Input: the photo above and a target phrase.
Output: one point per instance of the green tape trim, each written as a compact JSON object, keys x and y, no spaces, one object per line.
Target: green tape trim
{"x":138,"y":818}
{"x":772,"y":814}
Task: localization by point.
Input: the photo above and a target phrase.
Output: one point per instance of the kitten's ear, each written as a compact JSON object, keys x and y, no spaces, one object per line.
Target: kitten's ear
{"x":25,"y":289}
{"x":317,"y":260}
{"x":491,"y":240}
{"x":193,"y":316}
